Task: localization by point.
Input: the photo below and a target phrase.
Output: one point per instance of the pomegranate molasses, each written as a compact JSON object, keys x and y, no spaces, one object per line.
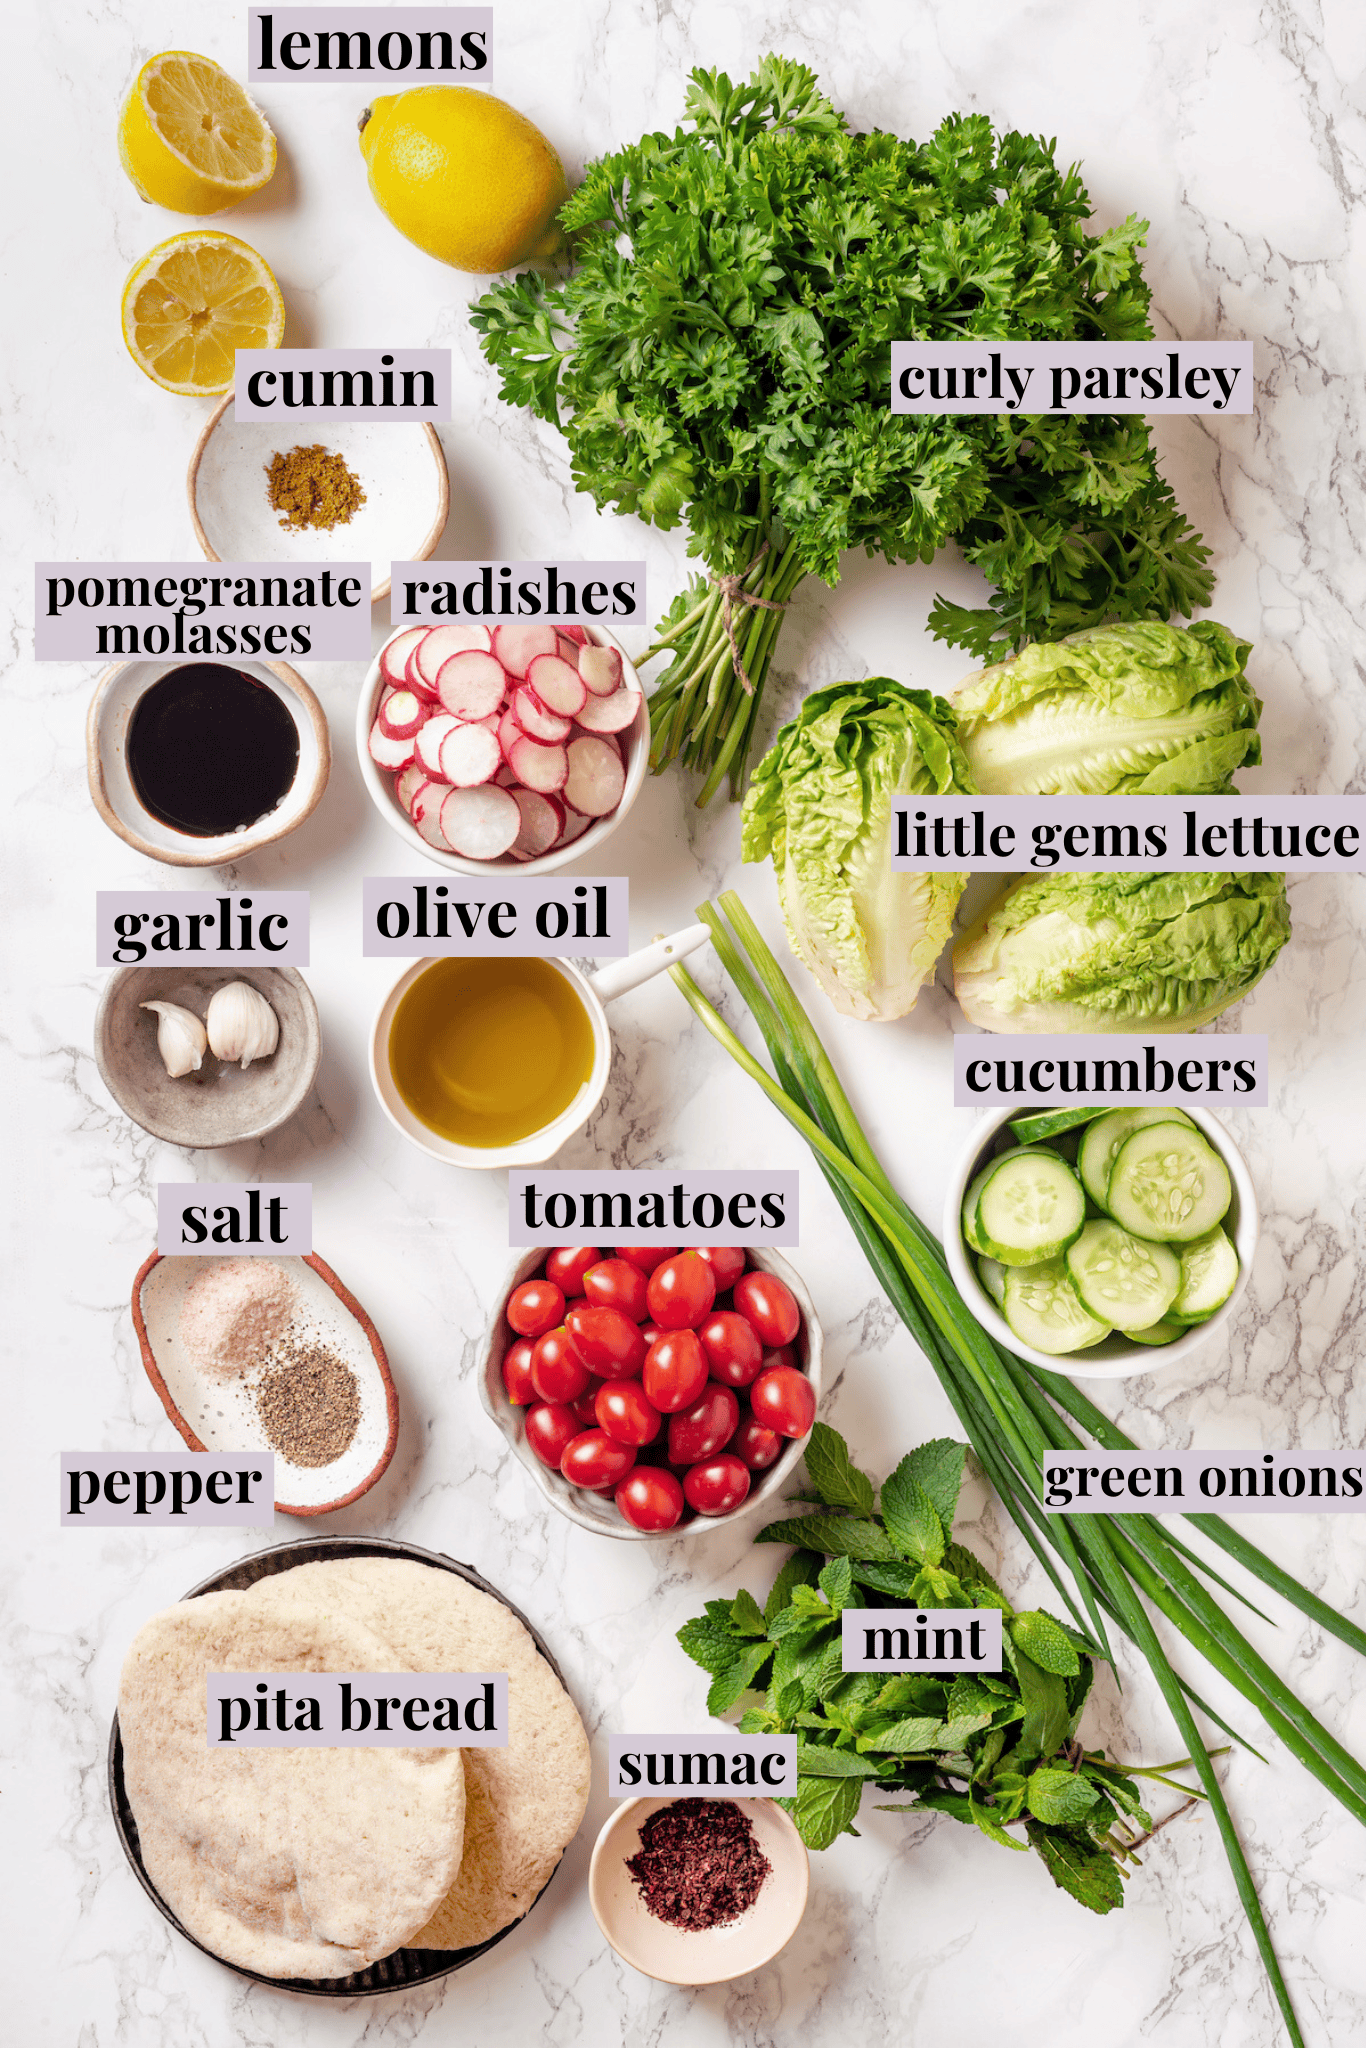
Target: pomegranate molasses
{"x":210,"y":750}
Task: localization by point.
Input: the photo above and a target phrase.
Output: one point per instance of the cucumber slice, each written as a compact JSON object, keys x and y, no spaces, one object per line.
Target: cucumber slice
{"x":992,"y":1275}
{"x":1042,"y":1307}
{"x":970,"y":1201}
{"x":1168,"y":1184}
{"x":1120,"y":1279}
{"x":1030,"y":1209}
{"x":1101,"y":1143}
{"x":1048,"y":1123}
{"x":1209,"y":1274}
{"x":1165,"y":1332}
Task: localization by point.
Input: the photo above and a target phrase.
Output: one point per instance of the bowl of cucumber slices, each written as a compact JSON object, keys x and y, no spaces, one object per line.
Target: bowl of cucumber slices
{"x":1101,"y":1242}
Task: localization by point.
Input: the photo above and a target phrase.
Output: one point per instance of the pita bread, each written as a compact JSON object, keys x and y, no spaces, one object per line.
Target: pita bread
{"x":523,"y":1804}
{"x":290,"y":1862}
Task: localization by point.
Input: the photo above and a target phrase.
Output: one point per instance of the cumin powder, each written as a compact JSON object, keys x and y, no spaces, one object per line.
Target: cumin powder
{"x":313,"y":487}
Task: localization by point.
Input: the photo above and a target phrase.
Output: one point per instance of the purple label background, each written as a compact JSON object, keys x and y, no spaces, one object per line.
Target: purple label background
{"x":325,"y":1687}
{"x":525,"y":893}
{"x":1036,"y":361}
{"x":463,"y":574}
{"x":1190,"y":1465}
{"x":174,"y":1196}
{"x":708,"y":1742}
{"x":437,"y":361}
{"x":182,"y":903}
{"x":339,"y":632}
{"x":257,"y":1512}
{"x":726,"y":1184}
{"x":1034,"y":1048}
{"x":376,"y":22}
{"x":1038,"y":823}
{"x":854,"y":1620}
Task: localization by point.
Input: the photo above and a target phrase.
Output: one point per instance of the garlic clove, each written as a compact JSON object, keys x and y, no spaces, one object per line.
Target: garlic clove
{"x":241,"y":1024}
{"x":181,"y":1038}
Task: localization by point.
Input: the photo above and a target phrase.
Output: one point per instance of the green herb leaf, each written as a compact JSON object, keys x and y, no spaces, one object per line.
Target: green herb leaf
{"x":801,"y":1570}
{"x":737,"y":1676}
{"x":1077,"y":1866}
{"x":711,"y":1647}
{"x":836,"y":1480}
{"x":903,"y":1738}
{"x":824,"y":1808}
{"x":835,"y":1535}
{"x":1041,"y":1638}
{"x":912,"y":1519}
{"x":746,"y":1617}
{"x":837,"y":1583}
{"x":1060,"y":1797}
{"x":898,"y":1580}
{"x":833,"y":1763}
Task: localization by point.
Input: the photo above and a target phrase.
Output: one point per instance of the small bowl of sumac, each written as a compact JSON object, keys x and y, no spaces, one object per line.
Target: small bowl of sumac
{"x":654,"y":1392}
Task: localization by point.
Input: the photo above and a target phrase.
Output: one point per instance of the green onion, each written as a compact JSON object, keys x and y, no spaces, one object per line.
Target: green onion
{"x":1010,"y":1414}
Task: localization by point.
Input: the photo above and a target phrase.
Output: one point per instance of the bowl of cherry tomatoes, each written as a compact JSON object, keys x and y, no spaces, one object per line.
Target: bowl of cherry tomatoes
{"x":653,"y":1392}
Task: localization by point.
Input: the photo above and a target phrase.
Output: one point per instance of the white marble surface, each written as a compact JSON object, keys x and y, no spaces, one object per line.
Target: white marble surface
{"x":1239,"y":132}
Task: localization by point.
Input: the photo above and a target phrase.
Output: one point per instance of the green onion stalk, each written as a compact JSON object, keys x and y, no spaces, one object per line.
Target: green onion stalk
{"x":1015,"y":1416}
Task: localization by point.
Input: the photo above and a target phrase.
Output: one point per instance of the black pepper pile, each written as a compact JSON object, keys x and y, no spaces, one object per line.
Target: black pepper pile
{"x":698,"y":1864}
{"x":308,"y":1402}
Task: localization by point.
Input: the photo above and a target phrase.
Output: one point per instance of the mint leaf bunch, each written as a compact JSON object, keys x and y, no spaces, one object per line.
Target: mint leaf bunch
{"x":721,"y":352}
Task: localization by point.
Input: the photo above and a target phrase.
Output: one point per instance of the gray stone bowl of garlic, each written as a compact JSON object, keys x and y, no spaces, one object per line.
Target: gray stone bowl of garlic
{"x":207,"y":1056}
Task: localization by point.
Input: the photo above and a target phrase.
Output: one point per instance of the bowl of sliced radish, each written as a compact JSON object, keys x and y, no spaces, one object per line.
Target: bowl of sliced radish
{"x":1101,"y":1243}
{"x":518,"y":745}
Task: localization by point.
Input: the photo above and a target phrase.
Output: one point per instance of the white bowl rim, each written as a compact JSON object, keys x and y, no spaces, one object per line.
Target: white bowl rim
{"x":379,"y":782}
{"x":1137,"y":1359}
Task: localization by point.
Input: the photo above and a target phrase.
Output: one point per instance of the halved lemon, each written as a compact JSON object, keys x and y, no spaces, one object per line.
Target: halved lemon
{"x":192,"y":302}
{"x":189,"y":137}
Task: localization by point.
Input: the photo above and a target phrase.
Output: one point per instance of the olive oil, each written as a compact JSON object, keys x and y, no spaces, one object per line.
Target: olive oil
{"x":488,"y":1052}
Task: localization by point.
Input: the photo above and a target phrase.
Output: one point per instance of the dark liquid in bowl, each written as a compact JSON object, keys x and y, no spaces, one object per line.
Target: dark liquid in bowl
{"x":210,"y":750}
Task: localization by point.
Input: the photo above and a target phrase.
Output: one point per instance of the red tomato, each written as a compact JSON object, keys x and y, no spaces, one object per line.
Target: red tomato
{"x":681,"y":1292}
{"x":606,"y":1340}
{"x":566,"y":1266}
{"x":784,"y":1355}
{"x":623,"y":1413}
{"x":727,"y":1262}
{"x":558,"y":1373}
{"x":675,"y":1370}
{"x":594,"y":1461}
{"x":716,"y":1487}
{"x":783,"y":1400}
{"x":734,"y":1353}
{"x":517,"y":1373}
{"x":763,"y":1300}
{"x":615,"y":1283}
{"x":756,"y":1446}
{"x":550,"y":1428}
{"x":649,"y":1499}
{"x":644,"y":1257}
{"x":585,"y":1408}
{"x":535,"y":1307}
{"x":650,"y":1331}
{"x":698,"y":1431}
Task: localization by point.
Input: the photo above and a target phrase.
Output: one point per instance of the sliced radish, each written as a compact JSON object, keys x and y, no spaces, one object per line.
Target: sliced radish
{"x":542,"y":823}
{"x":519,"y":644}
{"x":480,"y":823}
{"x":408,"y":784}
{"x":390,"y":753}
{"x":393,"y":656}
{"x":596,"y":777}
{"x":600,"y":668}
{"x":575,"y":825}
{"x":441,"y":642}
{"x":509,"y":732}
{"x":610,"y":714}
{"x":427,"y":819}
{"x":470,"y":755}
{"x":471,"y":685}
{"x":505,"y":778}
{"x":402,"y":715}
{"x":429,"y":743}
{"x":558,"y":685}
{"x":426,"y":801}
{"x":535,"y":720}
{"x":574,"y":633}
{"x":537,"y":767}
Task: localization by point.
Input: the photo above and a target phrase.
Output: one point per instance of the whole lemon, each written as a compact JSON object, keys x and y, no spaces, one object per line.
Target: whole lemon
{"x":465,"y":176}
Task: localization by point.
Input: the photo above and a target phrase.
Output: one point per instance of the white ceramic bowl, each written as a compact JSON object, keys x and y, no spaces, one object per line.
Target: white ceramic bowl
{"x":713,"y":1955}
{"x":380,"y":783}
{"x":1116,"y":1357}
{"x":598,"y":1512}
{"x":111,"y":786}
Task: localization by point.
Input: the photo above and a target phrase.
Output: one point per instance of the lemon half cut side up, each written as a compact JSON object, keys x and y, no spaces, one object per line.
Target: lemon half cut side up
{"x":192,"y":302}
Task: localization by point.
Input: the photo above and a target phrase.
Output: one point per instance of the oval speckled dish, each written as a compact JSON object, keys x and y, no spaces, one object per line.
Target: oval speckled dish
{"x":221,"y":1104}
{"x":401,"y":468}
{"x":406,"y":1966}
{"x":213,"y":1416}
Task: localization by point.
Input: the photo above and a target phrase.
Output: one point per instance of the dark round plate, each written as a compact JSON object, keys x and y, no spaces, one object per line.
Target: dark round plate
{"x":406,"y":1966}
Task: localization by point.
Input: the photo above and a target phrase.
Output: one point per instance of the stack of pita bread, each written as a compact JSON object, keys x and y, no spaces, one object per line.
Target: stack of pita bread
{"x":313,"y":1863}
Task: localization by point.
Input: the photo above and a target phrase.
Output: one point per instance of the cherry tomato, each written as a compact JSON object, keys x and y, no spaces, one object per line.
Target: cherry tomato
{"x":585,"y":1408}
{"x":594,"y":1461}
{"x":558,"y":1372}
{"x":607,"y":1341}
{"x":644,"y":1257}
{"x":716,"y":1487}
{"x":783,"y":1400}
{"x":726,"y":1261}
{"x":681,"y":1292}
{"x":517,"y":1373}
{"x":734,"y":1353}
{"x":535,"y":1307}
{"x":550,"y":1428}
{"x":615,"y":1283}
{"x":649,"y":1499}
{"x":698,"y":1431}
{"x":623,"y":1413}
{"x":675,"y":1370}
{"x":755,"y":1445}
{"x":650,"y":1331}
{"x":786,"y":1354}
{"x":763,"y":1300}
{"x":566,"y":1266}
